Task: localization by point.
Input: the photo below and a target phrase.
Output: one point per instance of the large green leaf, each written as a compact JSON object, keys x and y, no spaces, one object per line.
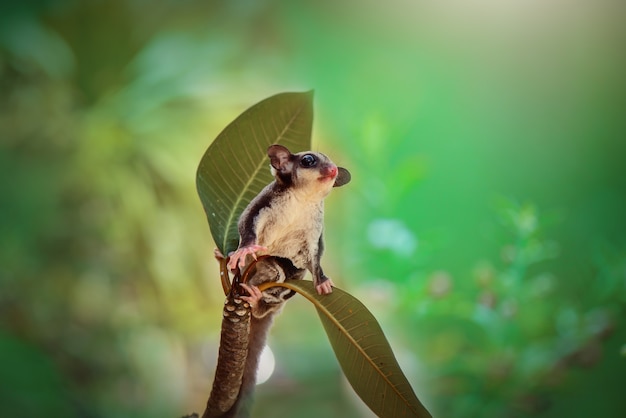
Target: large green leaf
{"x":235,"y":167}
{"x":362,"y":351}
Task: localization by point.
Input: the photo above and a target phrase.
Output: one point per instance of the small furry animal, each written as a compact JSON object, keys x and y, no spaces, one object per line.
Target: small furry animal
{"x":285,"y":221}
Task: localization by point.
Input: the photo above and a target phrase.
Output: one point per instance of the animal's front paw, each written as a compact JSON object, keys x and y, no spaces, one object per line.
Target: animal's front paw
{"x":238,"y":258}
{"x":255,"y":295}
{"x":325,"y":287}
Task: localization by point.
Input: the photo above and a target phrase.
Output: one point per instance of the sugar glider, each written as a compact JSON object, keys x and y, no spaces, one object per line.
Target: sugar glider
{"x":286,"y":218}
{"x":285,"y":221}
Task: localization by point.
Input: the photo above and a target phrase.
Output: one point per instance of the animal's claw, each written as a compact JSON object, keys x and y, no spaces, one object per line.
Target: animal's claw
{"x":255,"y":295}
{"x":238,"y":258}
{"x":325,"y":288}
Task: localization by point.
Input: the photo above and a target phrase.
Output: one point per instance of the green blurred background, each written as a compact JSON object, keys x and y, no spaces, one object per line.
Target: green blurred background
{"x":485,"y":226}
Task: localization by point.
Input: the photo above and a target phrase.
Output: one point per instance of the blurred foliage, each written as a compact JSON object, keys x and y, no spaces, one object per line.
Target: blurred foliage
{"x":484,"y":225}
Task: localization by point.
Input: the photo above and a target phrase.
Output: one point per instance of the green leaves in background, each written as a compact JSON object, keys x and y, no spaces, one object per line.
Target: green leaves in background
{"x":28,"y":370}
{"x":362,"y":351}
{"x":234,"y":168}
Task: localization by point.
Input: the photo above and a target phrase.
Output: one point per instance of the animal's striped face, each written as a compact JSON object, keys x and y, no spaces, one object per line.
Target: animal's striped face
{"x":310,"y":172}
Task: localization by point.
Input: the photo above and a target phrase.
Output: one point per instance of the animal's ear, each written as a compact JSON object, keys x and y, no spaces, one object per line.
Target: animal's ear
{"x":343,"y":177}
{"x":280,"y":158}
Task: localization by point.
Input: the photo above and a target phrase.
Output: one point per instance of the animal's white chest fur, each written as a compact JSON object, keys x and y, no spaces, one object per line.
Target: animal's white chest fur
{"x":291,"y":228}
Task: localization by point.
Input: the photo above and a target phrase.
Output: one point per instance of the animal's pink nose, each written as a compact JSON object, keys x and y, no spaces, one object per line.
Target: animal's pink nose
{"x":333,"y":171}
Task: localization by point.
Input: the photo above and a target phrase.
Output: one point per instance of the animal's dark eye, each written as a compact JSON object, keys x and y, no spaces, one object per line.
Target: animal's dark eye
{"x":308,"y":160}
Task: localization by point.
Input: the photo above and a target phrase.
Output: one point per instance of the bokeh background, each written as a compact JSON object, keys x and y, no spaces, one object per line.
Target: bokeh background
{"x":485,"y":226}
